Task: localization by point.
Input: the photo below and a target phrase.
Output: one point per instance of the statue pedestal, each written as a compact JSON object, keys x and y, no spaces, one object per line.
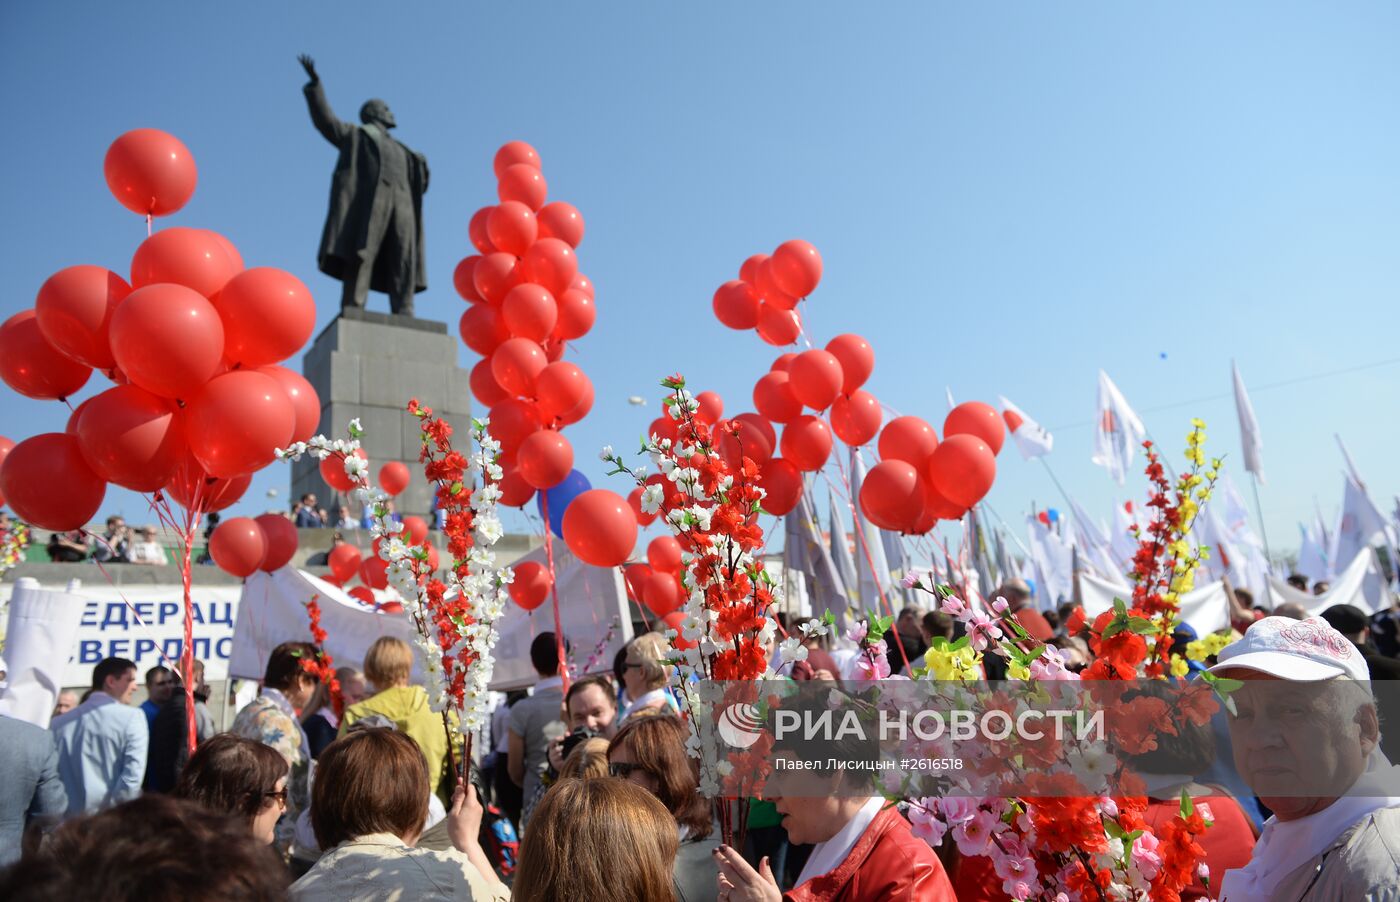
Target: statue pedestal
{"x":369,"y":365}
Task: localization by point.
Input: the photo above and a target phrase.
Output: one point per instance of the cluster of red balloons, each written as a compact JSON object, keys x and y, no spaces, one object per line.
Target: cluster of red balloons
{"x":192,"y":344}
{"x":244,"y":545}
{"x":920,"y":480}
{"x":765,"y":295}
{"x":527,"y":301}
{"x":657,"y":583}
{"x":346,"y":563}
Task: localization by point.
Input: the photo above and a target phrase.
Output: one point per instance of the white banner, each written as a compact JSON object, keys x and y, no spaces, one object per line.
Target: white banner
{"x":1360,"y":584}
{"x":1206,"y":609}
{"x":42,"y":627}
{"x":143,"y":623}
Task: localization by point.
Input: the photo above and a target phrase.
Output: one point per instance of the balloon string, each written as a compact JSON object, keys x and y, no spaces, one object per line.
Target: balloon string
{"x":148,"y":225}
{"x":632,"y":596}
{"x":554,"y":592}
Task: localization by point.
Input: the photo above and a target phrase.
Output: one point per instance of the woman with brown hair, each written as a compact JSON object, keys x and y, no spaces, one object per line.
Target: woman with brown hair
{"x":240,"y":777}
{"x":368,"y":808}
{"x":597,"y":841}
{"x":649,"y":752}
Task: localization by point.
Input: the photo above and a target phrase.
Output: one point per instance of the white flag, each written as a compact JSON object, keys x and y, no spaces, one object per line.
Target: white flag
{"x":1359,"y":525}
{"x":1031,"y":439}
{"x":1249,"y":428}
{"x":841,"y":552}
{"x":1118,"y":431}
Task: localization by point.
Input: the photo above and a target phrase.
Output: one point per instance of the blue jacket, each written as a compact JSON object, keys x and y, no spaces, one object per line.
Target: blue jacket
{"x":101,"y":753}
{"x":30,"y":788}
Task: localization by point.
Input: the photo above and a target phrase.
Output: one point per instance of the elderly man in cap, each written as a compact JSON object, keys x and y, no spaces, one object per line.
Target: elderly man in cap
{"x":1306,"y":739}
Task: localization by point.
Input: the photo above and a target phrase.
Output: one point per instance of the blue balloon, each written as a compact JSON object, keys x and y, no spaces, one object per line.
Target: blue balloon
{"x":1053,"y":514}
{"x":560,"y":497}
{"x":1031,"y":583}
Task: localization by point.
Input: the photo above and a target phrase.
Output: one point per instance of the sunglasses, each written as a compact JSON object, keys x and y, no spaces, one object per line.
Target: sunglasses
{"x":279,"y":795}
{"x":623,"y":769}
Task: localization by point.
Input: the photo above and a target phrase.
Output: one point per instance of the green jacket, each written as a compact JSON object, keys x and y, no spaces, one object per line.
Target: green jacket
{"x":407,"y":707}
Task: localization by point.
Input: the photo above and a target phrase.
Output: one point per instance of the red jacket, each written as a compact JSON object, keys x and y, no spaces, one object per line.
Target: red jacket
{"x":888,"y":862}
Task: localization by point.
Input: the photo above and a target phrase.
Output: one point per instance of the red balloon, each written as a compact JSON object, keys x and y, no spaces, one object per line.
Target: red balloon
{"x":344,"y":561}
{"x":857,"y":360}
{"x":131,"y":437}
{"x":463,"y":280}
{"x":496,"y":274}
{"x":762,"y":425}
{"x":581,"y":283}
{"x":797,"y":267}
{"x":394,"y":477}
{"x":545,"y":459}
{"x":560,"y":388}
{"x":515,"y":491}
{"x":554,"y":350}
{"x":551,"y":263}
{"x":512,"y":228}
{"x":524,"y":184}
{"x":484,"y":385}
{"x":815,"y":378}
{"x":516,"y":364}
{"x":167,"y":339}
{"x":977,"y":419}
{"x":753,"y":442}
{"x":281,"y":536}
{"x":333,"y":471}
{"x":711,"y":408}
{"x":773,"y":397}
{"x":748,"y":271}
{"x":636,"y":575}
{"x":150,"y":172}
{"x":483,"y":328}
{"x":783,"y":362}
{"x":663,"y":427}
{"x":268,"y":315}
{"x":937,"y":507}
{"x":512,"y":421}
{"x":856,"y":418}
{"x":736,"y":304}
{"x":195,"y":258}
{"x":962,"y":469}
{"x":306,"y":404}
{"x":238,"y":546}
{"x":675,"y":620}
{"x":562,"y":221}
{"x":778,"y":327}
{"x":806,"y":441}
{"x":511,"y":153}
{"x":576,"y":314}
{"x":909,"y":439}
{"x":634,"y":498}
{"x":530,"y":312}
{"x":892,"y":495}
{"x":662,"y":593}
{"x":768,"y":290}
{"x":664,"y":555}
{"x":70,"y":427}
{"x":531,"y":585}
{"x":229,"y":249}
{"x":782,"y":483}
{"x":362,"y":594}
{"x":374,"y":572}
{"x":238,"y":422}
{"x":197,"y":491}
{"x":75,"y":307}
{"x":599,"y":528}
{"x":32,"y":366}
{"x":417,"y":530}
{"x":476,"y":231}
{"x":48,"y":484}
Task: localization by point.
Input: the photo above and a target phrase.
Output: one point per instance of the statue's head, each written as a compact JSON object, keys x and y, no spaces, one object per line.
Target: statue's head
{"x":377,"y":111}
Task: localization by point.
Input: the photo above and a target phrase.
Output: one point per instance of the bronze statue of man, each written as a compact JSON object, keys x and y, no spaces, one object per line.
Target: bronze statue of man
{"x":373,"y":237}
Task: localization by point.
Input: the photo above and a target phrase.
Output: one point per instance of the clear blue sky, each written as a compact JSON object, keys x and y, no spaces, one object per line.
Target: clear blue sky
{"x":1007,"y":196}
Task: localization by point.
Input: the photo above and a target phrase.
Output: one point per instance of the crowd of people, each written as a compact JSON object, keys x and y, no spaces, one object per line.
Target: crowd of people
{"x":587,"y":791}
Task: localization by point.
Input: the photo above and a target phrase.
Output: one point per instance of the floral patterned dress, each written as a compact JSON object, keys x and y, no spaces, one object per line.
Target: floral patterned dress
{"x":271,"y":720}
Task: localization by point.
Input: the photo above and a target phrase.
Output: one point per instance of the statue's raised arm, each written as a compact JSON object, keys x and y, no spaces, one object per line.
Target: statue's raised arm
{"x":322,"y":116}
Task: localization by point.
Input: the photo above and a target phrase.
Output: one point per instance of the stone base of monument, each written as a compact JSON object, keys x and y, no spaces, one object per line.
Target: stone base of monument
{"x":369,"y":365}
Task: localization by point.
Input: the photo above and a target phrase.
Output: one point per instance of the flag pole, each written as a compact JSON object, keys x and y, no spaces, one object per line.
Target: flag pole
{"x":1259,"y":510}
{"x":1063,"y":494}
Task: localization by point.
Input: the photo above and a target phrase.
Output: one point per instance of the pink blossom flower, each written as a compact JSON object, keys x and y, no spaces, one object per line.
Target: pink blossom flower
{"x":974,"y":835}
{"x":911,"y":579}
{"x":924,"y":824}
{"x":857,"y":633}
{"x":982,"y":630}
{"x":955,"y":607}
{"x":1146,"y":857}
{"x":872,"y":663}
{"x":1000,"y":605}
{"x":957,"y":809}
{"x":1203,"y":871}
{"x":1013,"y":869}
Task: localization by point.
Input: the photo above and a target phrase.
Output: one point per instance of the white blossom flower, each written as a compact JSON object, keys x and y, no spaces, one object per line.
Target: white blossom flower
{"x":652,"y":496}
{"x":606,"y":454}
